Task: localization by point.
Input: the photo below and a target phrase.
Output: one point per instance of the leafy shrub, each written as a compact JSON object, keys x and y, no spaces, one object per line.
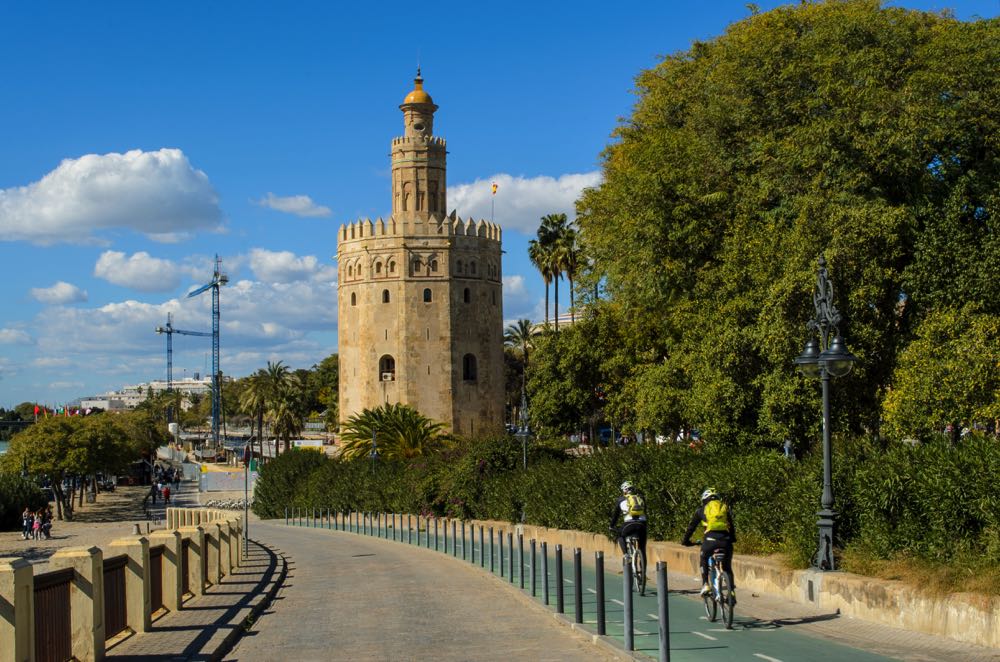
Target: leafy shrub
{"x":15,"y":494}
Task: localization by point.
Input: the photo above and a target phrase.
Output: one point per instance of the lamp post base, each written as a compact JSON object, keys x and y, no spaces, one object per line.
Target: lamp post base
{"x":824,"y":556}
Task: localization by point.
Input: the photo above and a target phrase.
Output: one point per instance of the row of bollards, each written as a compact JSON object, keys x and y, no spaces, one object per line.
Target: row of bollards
{"x":385,"y":525}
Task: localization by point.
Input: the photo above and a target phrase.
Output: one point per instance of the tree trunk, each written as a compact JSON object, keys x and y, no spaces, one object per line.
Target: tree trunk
{"x":555,"y":312}
{"x":572,"y":303}
{"x":546,"y":303}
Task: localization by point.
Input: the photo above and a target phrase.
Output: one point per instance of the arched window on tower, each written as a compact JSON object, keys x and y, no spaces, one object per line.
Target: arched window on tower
{"x":392,"y":266}
{"x":385,"y":296}
{"x":354,"y":299}
{"x":427,"y":295}
{"x":472,"y":267}
{"x":460,"y":265}
{"x":350,"y":271}
{"x":378,"y":268}
{"x":434,"y":266}
{"x":469,"y":368}
{"x":387,"y":369}
{"x":417,"y":264}
{"x":466,"y":295}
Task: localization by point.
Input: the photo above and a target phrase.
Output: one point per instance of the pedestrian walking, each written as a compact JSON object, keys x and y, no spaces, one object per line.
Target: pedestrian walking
{"x":36,"y":526}
{"x":166,"y":494}
{"x":27,"y":520}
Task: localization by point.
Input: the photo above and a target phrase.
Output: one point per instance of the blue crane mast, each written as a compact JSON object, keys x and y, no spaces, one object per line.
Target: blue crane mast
{"x":218,"y":280}
{"x":169,"y":330}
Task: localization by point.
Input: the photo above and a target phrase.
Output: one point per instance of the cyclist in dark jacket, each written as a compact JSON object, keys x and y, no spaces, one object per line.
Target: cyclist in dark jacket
{"x":632,"y":508}
{"x":718,"y":532}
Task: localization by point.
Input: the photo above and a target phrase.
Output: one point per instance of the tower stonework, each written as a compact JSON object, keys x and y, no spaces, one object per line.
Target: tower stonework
{"x":419,"y":295}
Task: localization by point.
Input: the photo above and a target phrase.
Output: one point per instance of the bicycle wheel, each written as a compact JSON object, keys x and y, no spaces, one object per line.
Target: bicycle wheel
{"x":726,"y":600}
{"x":639,"y":572}
{"x":711,"y":607}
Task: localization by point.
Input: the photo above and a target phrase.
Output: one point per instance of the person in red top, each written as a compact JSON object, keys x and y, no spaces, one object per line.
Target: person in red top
{"x":166,"y":494}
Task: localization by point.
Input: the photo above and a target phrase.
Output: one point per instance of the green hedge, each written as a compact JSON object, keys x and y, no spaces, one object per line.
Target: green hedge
{"x":932,"y":502}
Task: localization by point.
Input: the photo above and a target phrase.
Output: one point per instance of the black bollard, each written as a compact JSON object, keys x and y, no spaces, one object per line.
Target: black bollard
{"x":520,"y":556}
{"x":482,"y":548}
{"x":492,"y":552}
{"x":627,"y":599}
{"x":454,"y":538}
{"x":409,"y":529}
{"x":500,"y":545}
{"x":445,"y":527}
{"x":578,"y":584}
{"x":545,"y":572}
{"x":510,"y":561}
{"x":435,"y":534}
{"x":534,"y":577}
{"x":602,"y":628}
{"x":560,"y":595}
{"x":286,"y":515}
{"x":463,"y":540}
{"x":663,"y":611}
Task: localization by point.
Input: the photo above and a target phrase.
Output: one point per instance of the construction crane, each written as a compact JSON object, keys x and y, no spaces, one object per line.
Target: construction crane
{"x":170,"y":331}
{"x":218,"y":280}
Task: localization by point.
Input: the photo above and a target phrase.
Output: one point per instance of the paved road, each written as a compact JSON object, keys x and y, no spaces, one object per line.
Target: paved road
{"x":766,"y":628}
{"x":349,"y":597}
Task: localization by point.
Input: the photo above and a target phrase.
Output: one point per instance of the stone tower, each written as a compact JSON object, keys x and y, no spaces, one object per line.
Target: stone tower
{"x":420,"y":311}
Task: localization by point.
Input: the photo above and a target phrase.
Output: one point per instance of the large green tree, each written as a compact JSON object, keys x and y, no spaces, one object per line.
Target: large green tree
{"x":862,"y":132}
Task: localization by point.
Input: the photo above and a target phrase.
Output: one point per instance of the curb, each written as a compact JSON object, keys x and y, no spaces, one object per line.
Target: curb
{"x":247,"y":623}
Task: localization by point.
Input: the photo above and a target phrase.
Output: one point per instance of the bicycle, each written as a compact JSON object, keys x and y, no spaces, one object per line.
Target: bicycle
{"x":721,"y":593}
{"x":638,"y":564}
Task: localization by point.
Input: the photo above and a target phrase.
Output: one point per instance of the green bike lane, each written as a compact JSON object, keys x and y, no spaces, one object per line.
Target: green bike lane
{"x":692,"y":636}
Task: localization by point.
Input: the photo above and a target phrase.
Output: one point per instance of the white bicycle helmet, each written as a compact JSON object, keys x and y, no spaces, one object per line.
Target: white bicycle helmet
{"x":709,"y":493}
{"x":627,"y":487}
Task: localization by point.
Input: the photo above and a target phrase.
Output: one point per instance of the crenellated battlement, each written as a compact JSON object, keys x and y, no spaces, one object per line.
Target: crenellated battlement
{"x":421,"y":141}
{"x":450,"y":226}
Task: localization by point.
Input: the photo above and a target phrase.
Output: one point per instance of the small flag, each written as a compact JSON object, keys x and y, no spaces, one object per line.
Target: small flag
{"x":494,"y":188}
{"x":246,"y":454}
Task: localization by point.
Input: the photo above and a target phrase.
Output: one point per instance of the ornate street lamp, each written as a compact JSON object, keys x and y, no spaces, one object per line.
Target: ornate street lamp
{"x":828,"y":358}
{"x":523,"y":432}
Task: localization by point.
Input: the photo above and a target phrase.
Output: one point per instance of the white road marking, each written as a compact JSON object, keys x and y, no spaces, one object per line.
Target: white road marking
{"x":653,"y":616}
{"x":592,"y":591}
{"x":702,"y":634}
{"x":704,"y":618}
{"x":766,"y":657}
{"x":618,"y":602}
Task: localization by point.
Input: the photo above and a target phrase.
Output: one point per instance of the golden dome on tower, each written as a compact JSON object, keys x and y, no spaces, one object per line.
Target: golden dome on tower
{"x":418,"y":95}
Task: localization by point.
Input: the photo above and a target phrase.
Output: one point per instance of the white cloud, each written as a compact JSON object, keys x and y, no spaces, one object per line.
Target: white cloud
{"x":518,"y":302}
{"x":65,"y":385}
{"x":156,"y":193}
{"x":60,"y":293}
{"x":141,"y":271}
{"x":287,"y":267}
{"x":51,"y":362}
{"x":14,"y":337}
{"x":300,"y":205}
{"x":521,"y":201}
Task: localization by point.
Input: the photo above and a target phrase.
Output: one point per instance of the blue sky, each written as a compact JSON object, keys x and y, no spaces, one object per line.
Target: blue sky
{"x":137,"y":141}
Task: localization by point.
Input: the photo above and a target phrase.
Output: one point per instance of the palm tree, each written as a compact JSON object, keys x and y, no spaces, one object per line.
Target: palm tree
{"x":569,"y":254}
{"x":538,"y":253}
{"x":285,"y":412}
{"x":519,"y":336}
{"x":253,"y":401}
{"x":552,"y":228}
{"x":400,"y":431}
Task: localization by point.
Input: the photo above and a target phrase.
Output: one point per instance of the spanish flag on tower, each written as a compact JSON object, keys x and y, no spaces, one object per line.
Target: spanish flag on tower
{"x":494,"y":188}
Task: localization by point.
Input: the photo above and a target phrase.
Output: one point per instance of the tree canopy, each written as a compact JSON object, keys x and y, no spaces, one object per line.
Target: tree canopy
{"x":864,"y":133}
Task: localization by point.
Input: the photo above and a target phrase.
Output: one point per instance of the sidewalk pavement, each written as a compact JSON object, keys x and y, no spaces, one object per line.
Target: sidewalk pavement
{"x":208,"y":626}
{"x":351,"y":597}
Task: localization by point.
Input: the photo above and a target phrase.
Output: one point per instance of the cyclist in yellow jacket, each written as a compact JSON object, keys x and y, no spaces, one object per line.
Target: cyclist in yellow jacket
{"x":631,"y":507}
{"x":718,"y":532}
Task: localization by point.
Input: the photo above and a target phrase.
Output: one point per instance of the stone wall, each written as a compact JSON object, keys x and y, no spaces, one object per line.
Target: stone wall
{"x":214,"y":544}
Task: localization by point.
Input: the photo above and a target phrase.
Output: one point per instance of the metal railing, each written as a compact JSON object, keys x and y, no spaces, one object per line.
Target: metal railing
{"x":156,"y":578}
{"x":53,"y":627}
{"x":115,"y":609}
